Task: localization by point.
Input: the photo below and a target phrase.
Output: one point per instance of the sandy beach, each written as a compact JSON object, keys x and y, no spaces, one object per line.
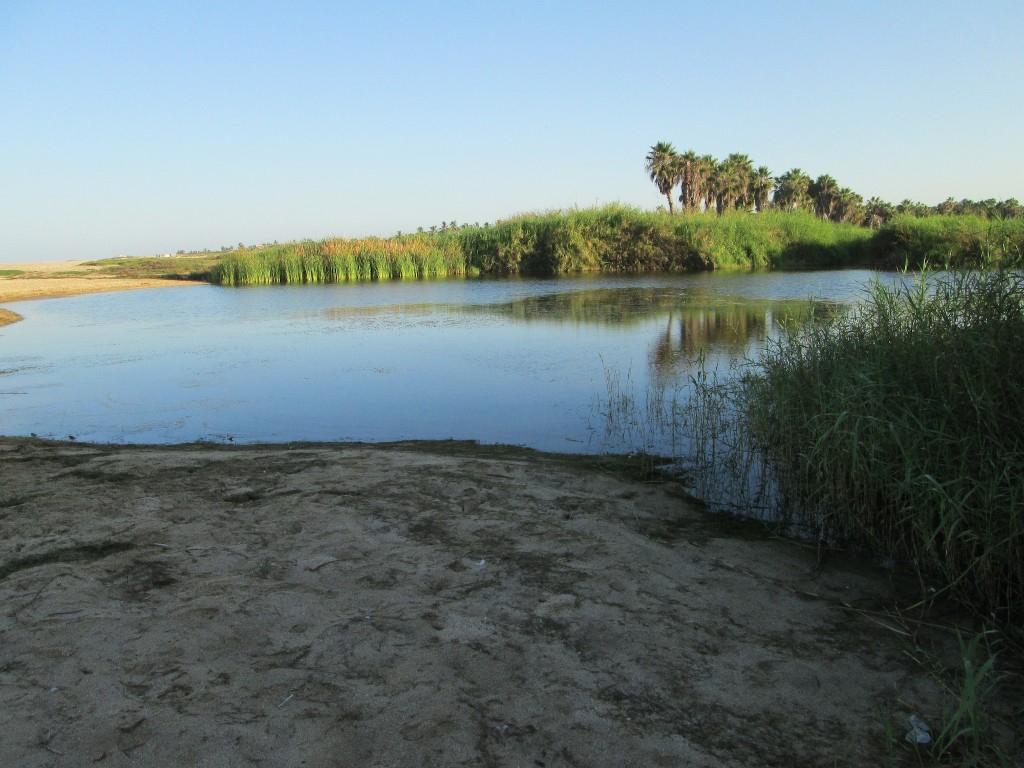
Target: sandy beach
{"x":46,"y":280}
{"x":420,"y":604}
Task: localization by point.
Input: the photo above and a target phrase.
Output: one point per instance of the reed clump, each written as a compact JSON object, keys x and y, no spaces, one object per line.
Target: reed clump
{"x":610,"y":239}
{"x":617,"y":238}
{"x":952,"y":242}
{"x":339,"y":260}
{"x":901,"y":425}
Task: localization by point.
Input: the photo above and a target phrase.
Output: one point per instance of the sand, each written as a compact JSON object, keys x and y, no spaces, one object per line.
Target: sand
{"x":436,"y":604}
{"x":46,"y":280}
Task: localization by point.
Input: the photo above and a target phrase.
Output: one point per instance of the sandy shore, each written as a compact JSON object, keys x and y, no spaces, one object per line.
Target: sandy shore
{"x":419,"y":605}
{"x":46,"y":280}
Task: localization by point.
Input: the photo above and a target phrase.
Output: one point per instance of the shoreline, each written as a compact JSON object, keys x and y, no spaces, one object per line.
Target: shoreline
{"x":15,"y":289}
{"x":61,"y":279}
{"x":361,"y":602}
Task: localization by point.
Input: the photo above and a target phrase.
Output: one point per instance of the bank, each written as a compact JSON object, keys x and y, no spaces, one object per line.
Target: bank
{"x":425,"y":603}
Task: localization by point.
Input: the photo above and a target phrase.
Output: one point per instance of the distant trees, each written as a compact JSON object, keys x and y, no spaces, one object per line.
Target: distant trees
{"x":705,"y":184}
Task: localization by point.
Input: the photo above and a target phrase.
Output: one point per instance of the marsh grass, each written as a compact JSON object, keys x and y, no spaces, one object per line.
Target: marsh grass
{"x":896,"y":426}
{"x":900,"y":426}
{"x":338,"y":261}
{"x":613,"y":238}
{"x":618,"y":238}
{"x":191,"y":267}
{"x":966,"y":734}
{"x":609,"y":239}
{"x":951,"y":242}
{"x":973,"y":721}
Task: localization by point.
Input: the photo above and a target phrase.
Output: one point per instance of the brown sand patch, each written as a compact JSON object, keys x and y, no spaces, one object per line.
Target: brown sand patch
{"x":7,"y":317}
{"x":27,"y":288}
{"x":53,"y":279}
{"x":399,"y":606}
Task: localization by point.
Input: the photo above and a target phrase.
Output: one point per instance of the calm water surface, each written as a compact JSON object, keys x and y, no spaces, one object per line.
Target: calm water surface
{"x":525,"y":362}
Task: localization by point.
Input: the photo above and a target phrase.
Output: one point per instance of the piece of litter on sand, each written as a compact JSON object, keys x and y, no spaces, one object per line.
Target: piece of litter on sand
{"x":317,"y":562}
{"x":287,"y":698}
{"x":919,"y":732}
{"x":480,"y":564}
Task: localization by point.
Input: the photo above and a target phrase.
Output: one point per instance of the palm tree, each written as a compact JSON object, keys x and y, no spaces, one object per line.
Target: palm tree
{"x":761,"y":185}
{"x":737,"y":171}
{"x":663,"y":168}
{"x":849,"y":206}
{"x":1010,"y":208}
{"x":877,"y":212}
{"x":716,"y":185}
{"x":791,"y":190}
{"x":689,"y":166}
{"x":824,"y":192}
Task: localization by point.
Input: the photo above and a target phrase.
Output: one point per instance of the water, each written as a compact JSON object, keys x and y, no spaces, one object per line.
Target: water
{"x":528,"y":362}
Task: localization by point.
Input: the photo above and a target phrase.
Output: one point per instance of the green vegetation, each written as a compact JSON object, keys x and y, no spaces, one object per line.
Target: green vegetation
{"x":11,"y":272}
{"x":191,"y":267}
{"x":801,"y":223}
{"x":338,"y":260}
{"x":709,"y":185}
{"x":900,"y":425}
{"x":959,"y":242}
{"x":609,"y":239}
{"x":613,"y":238}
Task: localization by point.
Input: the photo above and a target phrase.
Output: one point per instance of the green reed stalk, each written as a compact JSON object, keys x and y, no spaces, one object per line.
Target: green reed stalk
{"x":901,"y":425}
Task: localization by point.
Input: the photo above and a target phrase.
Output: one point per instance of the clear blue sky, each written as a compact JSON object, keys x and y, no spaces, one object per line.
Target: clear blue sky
{"x":142,"y":127}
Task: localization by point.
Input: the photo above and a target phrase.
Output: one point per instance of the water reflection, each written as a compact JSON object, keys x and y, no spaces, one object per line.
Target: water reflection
{"x":502,"y":361}
{"x":685,"y":324}
{"x":733,"y":331}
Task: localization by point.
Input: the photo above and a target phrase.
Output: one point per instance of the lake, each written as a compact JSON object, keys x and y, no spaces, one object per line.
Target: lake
{"x":539,"y":363}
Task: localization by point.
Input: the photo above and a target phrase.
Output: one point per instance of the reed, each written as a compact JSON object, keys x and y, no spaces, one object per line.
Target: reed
{"x":338,"y":260}
{"x":618,"y":238}
{"x":900,"y":425}
{"x":952,"y":242}
{"x":623,"y":239}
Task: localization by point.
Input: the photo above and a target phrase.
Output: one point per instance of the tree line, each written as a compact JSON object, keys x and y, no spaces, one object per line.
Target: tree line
{"x":707,"y":184}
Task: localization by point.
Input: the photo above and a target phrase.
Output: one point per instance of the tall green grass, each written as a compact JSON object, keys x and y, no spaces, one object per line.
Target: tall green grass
{"x":622,"y":239}
{"x":608,"y":239}
{"x":338,"y":260}
{"x":618,"y":238}
{"x":901,"y":425}
{"x":953,"y":242}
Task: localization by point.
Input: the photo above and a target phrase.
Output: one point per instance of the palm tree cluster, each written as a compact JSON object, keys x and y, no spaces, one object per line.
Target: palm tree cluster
{"x":706,"y":184}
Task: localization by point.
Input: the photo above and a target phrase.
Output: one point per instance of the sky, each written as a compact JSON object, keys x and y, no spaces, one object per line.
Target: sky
{"x":148,"y":127}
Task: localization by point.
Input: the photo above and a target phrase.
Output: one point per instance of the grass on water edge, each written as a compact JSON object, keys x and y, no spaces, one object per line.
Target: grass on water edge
{"x":609,"y":239}
{"x":184,"y":267}
{"x":900,"y":425}
{"x":612,"y":238}
{"x":898,"y":428}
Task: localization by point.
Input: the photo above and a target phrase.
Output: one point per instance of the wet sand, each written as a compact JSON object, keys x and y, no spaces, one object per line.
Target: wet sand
{"x":420,"y":604}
